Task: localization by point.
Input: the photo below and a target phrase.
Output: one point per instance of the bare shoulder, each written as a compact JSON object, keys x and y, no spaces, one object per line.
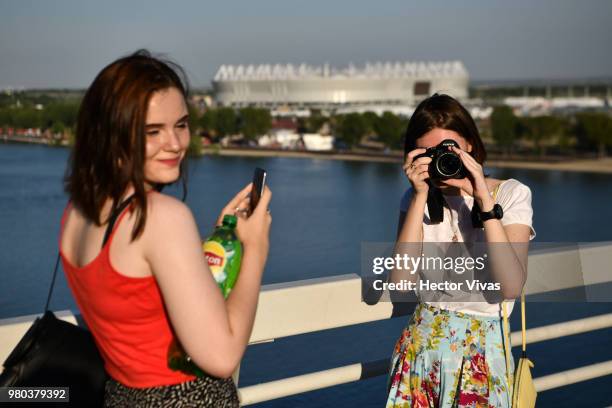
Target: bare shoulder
{"x":166,"y":214}
{"x":165,"y":204}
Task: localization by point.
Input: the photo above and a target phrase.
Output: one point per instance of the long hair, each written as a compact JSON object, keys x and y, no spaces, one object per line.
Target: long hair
{"x":109,"y":150}
{"x":444,"y":112}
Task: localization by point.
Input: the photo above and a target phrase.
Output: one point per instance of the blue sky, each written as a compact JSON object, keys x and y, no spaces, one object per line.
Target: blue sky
{"x":64,"y":43}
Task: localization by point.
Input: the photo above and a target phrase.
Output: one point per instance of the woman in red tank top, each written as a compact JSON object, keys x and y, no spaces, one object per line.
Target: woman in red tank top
{"x":150,"y":284}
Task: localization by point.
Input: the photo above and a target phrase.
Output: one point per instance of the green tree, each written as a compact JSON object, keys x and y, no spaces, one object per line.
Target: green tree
{"x":315,"y":122}
{"x":27,"y":117}
{"x":226,"y":121}
{"x":350,"y":128}
{"x":58,"y":127}
{"x":594,"y":128}
{"x":61,"y":111}
{"x":540,"y":130}
{"x":6,"y":117}
{"x":567,"y":137}
{"x":504,"y":127}
{"x":389,"y":128}
{"x":254,"y":122}
{"x":195,"y":142}
{"x":208,"y":121}
{"x":371,"y":120}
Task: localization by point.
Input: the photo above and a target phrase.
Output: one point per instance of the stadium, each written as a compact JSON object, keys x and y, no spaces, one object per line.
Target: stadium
{"x":327,"y":87}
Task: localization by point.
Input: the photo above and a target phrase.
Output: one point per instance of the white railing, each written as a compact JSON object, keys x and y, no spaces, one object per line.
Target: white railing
{"x":306,"y":306}
{"x":355,"y":372}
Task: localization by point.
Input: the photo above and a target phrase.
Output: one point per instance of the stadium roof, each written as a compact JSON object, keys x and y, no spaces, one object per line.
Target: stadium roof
{"x":369,"y":70}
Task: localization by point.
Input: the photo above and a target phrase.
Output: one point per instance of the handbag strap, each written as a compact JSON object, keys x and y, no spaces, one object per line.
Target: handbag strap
{"x":109,"y":229}
{"x":523,"y":325}
{"x":506,"y":327}
{"x":506,"y":330}
{"x":114,"y":216}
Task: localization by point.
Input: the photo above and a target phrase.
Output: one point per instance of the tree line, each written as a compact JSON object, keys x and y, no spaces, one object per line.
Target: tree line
{"x":58,"y":116}
{"x":250,"y":122}
{"x":350,"y":128}
{"x":579,"y":132}
{"x":508,"y":133}
{"x":583,"y":131}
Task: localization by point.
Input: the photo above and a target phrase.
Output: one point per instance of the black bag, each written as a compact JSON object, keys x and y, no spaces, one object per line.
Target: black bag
{"x":55,"y":353}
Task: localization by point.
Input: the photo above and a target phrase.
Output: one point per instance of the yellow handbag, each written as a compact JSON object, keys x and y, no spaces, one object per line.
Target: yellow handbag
{"x":524,"y":393}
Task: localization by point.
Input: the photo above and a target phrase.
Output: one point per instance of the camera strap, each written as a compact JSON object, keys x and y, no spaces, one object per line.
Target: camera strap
{"x":475,"y":215}
{"x":435,"y":204}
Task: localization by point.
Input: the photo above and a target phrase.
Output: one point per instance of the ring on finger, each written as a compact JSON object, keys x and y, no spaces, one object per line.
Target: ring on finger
{"x":239,"y":210}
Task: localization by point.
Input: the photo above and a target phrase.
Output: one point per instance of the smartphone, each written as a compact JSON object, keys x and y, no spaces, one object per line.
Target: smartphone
{"x":259,"y":182}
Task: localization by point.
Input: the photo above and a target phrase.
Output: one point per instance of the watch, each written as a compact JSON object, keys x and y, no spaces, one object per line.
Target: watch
{"x":497,"y":212}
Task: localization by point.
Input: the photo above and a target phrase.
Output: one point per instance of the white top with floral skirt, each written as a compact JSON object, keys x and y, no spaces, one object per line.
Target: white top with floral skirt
{"x":515,"y":200}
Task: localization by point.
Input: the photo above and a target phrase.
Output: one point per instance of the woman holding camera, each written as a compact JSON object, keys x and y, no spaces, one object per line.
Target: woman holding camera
{"x":451,"y":353}
{"x":144,"y":282}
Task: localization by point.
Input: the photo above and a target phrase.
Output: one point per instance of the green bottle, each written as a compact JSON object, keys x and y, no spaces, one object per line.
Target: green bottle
{"x":223,"y":252}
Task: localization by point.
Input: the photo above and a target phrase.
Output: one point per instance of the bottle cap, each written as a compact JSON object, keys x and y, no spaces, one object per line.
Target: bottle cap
{"x":229,"y":221}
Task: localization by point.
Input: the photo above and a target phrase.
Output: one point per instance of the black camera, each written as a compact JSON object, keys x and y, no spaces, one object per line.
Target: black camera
{"x":445,"y":164}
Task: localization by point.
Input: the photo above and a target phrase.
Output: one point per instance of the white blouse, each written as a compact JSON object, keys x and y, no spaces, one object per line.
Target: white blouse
{"x":515,"y":200}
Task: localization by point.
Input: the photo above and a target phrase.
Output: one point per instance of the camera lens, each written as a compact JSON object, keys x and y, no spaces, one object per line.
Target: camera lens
{"x":448,"y":164}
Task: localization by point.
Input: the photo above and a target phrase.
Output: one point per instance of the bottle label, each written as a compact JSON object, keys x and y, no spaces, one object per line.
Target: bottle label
{"x":216,"y":258}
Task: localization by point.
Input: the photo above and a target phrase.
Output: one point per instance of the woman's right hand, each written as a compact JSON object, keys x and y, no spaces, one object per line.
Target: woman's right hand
{"x":253,"y":231}
{"x":417,"y":170}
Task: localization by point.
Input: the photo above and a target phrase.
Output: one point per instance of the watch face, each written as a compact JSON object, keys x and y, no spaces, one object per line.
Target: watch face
{"x":498,"y":211}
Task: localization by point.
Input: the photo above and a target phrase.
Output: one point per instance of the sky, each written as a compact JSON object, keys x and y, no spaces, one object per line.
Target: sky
{"x":65,"y":43}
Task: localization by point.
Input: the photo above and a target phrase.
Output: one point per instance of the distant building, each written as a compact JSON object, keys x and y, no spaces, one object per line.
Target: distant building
{"x":287,"y":139}
{"x":326,"y":87}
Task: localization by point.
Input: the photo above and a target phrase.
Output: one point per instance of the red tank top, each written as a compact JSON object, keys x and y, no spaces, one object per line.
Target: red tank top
{"x":126,"y":317}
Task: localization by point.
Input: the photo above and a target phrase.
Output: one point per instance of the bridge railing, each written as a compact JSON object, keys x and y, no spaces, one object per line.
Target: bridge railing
{"x":306,"y":306}
{"x":301,"y":307}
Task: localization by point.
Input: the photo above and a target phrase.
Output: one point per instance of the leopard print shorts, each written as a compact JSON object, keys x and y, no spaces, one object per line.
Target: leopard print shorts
{"x":201,"y":392}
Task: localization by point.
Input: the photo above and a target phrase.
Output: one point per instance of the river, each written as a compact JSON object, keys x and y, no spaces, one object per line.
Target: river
{"x":322,"y":211}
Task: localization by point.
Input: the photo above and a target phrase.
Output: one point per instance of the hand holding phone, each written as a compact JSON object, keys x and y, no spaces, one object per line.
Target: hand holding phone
{"x":259,"y":182}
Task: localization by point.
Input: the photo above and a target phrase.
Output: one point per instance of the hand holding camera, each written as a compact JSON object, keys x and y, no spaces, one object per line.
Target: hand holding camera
{"x":447,"y":164}
{"x":417,"y":170}
{"x":474,"y":184}
{"x":435,"y":163}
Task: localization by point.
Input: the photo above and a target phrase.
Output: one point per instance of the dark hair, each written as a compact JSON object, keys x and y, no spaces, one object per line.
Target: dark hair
{"x":444,"y":112}
{"x":109,"y":149}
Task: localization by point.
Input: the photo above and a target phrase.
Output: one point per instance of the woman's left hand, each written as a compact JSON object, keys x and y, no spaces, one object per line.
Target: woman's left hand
{"x":474,"y":184}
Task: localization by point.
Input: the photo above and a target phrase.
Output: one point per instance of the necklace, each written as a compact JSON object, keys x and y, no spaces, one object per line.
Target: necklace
{"x":454,"y":229}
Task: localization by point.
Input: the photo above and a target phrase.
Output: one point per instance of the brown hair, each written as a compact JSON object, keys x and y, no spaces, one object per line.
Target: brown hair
{"x":109,"y":149}
{"x":444,"y":112}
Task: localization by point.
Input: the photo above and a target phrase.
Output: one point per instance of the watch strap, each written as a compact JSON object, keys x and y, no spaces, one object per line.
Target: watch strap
{"x":476,"y":211}
{"x":496,"y":212}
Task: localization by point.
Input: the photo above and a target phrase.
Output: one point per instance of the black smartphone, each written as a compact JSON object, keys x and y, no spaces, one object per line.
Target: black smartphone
{"x":259,"y":182}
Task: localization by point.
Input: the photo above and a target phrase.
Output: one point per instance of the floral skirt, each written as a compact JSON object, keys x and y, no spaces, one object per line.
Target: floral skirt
{"x":449,"y":359}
